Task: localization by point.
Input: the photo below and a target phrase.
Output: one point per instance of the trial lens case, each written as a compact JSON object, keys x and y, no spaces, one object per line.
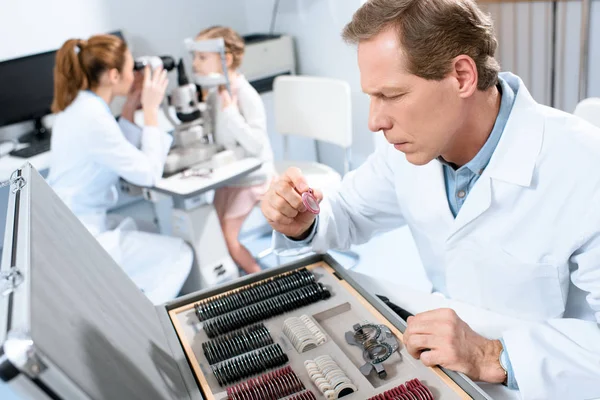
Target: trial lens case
{"x":75,"y":326}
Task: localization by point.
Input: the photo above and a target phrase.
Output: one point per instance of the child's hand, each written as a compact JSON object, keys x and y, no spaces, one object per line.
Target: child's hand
{"x":226,"y":99}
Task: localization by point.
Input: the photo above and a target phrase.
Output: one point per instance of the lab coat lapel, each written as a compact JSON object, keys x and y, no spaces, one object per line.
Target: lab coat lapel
{"x":478,"y":202}
{"x":513,"y":161}
{"x":431,"y":202}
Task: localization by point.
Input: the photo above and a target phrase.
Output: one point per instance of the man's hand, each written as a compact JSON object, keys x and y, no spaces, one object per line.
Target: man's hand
{"x":282,"y":204}
{"x":440,"y":337}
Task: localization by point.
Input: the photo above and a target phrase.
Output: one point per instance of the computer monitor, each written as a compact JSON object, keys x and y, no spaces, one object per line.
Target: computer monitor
{"x":27,"y":89}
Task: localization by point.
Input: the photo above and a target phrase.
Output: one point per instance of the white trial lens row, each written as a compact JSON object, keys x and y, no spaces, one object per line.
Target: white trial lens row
{"x":303,"y":333}
{"x":328,"y":377}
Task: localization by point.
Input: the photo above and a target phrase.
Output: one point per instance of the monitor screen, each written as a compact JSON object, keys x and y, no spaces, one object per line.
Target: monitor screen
{"x":27,"y":87}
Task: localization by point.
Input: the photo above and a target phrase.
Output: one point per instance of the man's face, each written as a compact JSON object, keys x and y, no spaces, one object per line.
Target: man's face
{"x":419,"y":117}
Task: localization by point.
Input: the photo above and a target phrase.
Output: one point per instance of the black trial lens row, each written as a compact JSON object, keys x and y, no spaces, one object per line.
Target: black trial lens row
{"x":255,"y":293}
{"x":249,"y":364}
{"x":266,"y":309}
{"x":236,"y":343}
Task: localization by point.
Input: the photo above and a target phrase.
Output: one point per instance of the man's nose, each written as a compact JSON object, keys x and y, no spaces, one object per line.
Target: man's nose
{"x":377,"y":119}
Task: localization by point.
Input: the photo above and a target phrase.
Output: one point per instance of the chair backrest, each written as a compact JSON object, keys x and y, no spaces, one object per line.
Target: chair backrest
{"x":589,"y":109}
{"x":314,"y":107}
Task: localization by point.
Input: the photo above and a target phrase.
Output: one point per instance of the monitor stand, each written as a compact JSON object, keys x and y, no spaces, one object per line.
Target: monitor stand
{"x":39,"y":134}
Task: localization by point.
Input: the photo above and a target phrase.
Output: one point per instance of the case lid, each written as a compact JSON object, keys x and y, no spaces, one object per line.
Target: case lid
{"x":71,"y":309}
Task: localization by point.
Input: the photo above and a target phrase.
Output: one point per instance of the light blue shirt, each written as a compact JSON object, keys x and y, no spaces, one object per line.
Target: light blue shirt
{"x":459,"y":182}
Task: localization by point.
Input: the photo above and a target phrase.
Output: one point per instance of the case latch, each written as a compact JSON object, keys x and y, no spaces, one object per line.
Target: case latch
{"x":10,"y":280}
{"x":16,"y":182}
{"x":20,"y":353}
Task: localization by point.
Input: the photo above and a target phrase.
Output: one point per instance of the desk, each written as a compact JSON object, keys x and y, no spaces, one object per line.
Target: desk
{"x":172,"y":186}
{"x":179,"y":187}
{"x":484,"y":322}
{"x":184,"y":210}
{"x":189,"y":193}
{"x":8,"y":164}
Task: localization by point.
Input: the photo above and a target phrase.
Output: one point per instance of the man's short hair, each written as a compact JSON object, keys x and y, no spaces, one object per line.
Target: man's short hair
{"x":432,"y":33}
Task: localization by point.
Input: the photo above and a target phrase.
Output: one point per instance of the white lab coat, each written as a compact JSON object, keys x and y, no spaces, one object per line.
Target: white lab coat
{"x":89,"y":152}
{"x":526,"y":242}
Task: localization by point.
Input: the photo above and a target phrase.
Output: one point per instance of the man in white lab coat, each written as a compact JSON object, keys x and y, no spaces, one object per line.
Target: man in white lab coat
{"x":501,"y":194}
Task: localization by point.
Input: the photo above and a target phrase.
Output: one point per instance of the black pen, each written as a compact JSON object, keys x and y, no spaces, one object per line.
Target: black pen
{"x":397,"y":309}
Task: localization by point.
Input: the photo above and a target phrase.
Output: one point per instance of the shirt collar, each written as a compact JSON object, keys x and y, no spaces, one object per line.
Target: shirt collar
{"x":482,"y":158}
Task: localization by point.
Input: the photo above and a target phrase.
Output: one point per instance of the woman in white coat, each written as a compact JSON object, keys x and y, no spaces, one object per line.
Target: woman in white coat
{"x":240,"y":126}
{"x":91,"y":150}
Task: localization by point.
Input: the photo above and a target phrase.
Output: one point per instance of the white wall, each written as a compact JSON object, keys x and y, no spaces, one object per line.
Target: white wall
{"x":316,"y":26}
{"x":159,"y":27}
{"x":30,"y":26}
{"x":150,"y":26}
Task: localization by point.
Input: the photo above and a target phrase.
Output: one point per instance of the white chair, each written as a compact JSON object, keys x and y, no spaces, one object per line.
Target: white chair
{"x":589,"y":109}
{"x":316,"y":108}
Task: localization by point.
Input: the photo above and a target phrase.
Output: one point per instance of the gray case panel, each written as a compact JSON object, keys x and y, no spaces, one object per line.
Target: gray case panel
{"x":86,"y":315}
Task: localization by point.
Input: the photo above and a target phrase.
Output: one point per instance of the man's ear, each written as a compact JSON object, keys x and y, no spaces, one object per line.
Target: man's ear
{"x":464,"y":70}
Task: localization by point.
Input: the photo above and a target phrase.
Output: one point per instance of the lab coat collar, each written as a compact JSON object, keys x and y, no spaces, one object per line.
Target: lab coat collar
{"x":513,"y":160}
{"x":515,"y":157}
{"x":87,"y":93}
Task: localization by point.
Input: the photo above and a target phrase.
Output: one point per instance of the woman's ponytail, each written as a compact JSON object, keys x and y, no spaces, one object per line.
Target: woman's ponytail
{"x":80,"y":65}
{"x":69,"y":74}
